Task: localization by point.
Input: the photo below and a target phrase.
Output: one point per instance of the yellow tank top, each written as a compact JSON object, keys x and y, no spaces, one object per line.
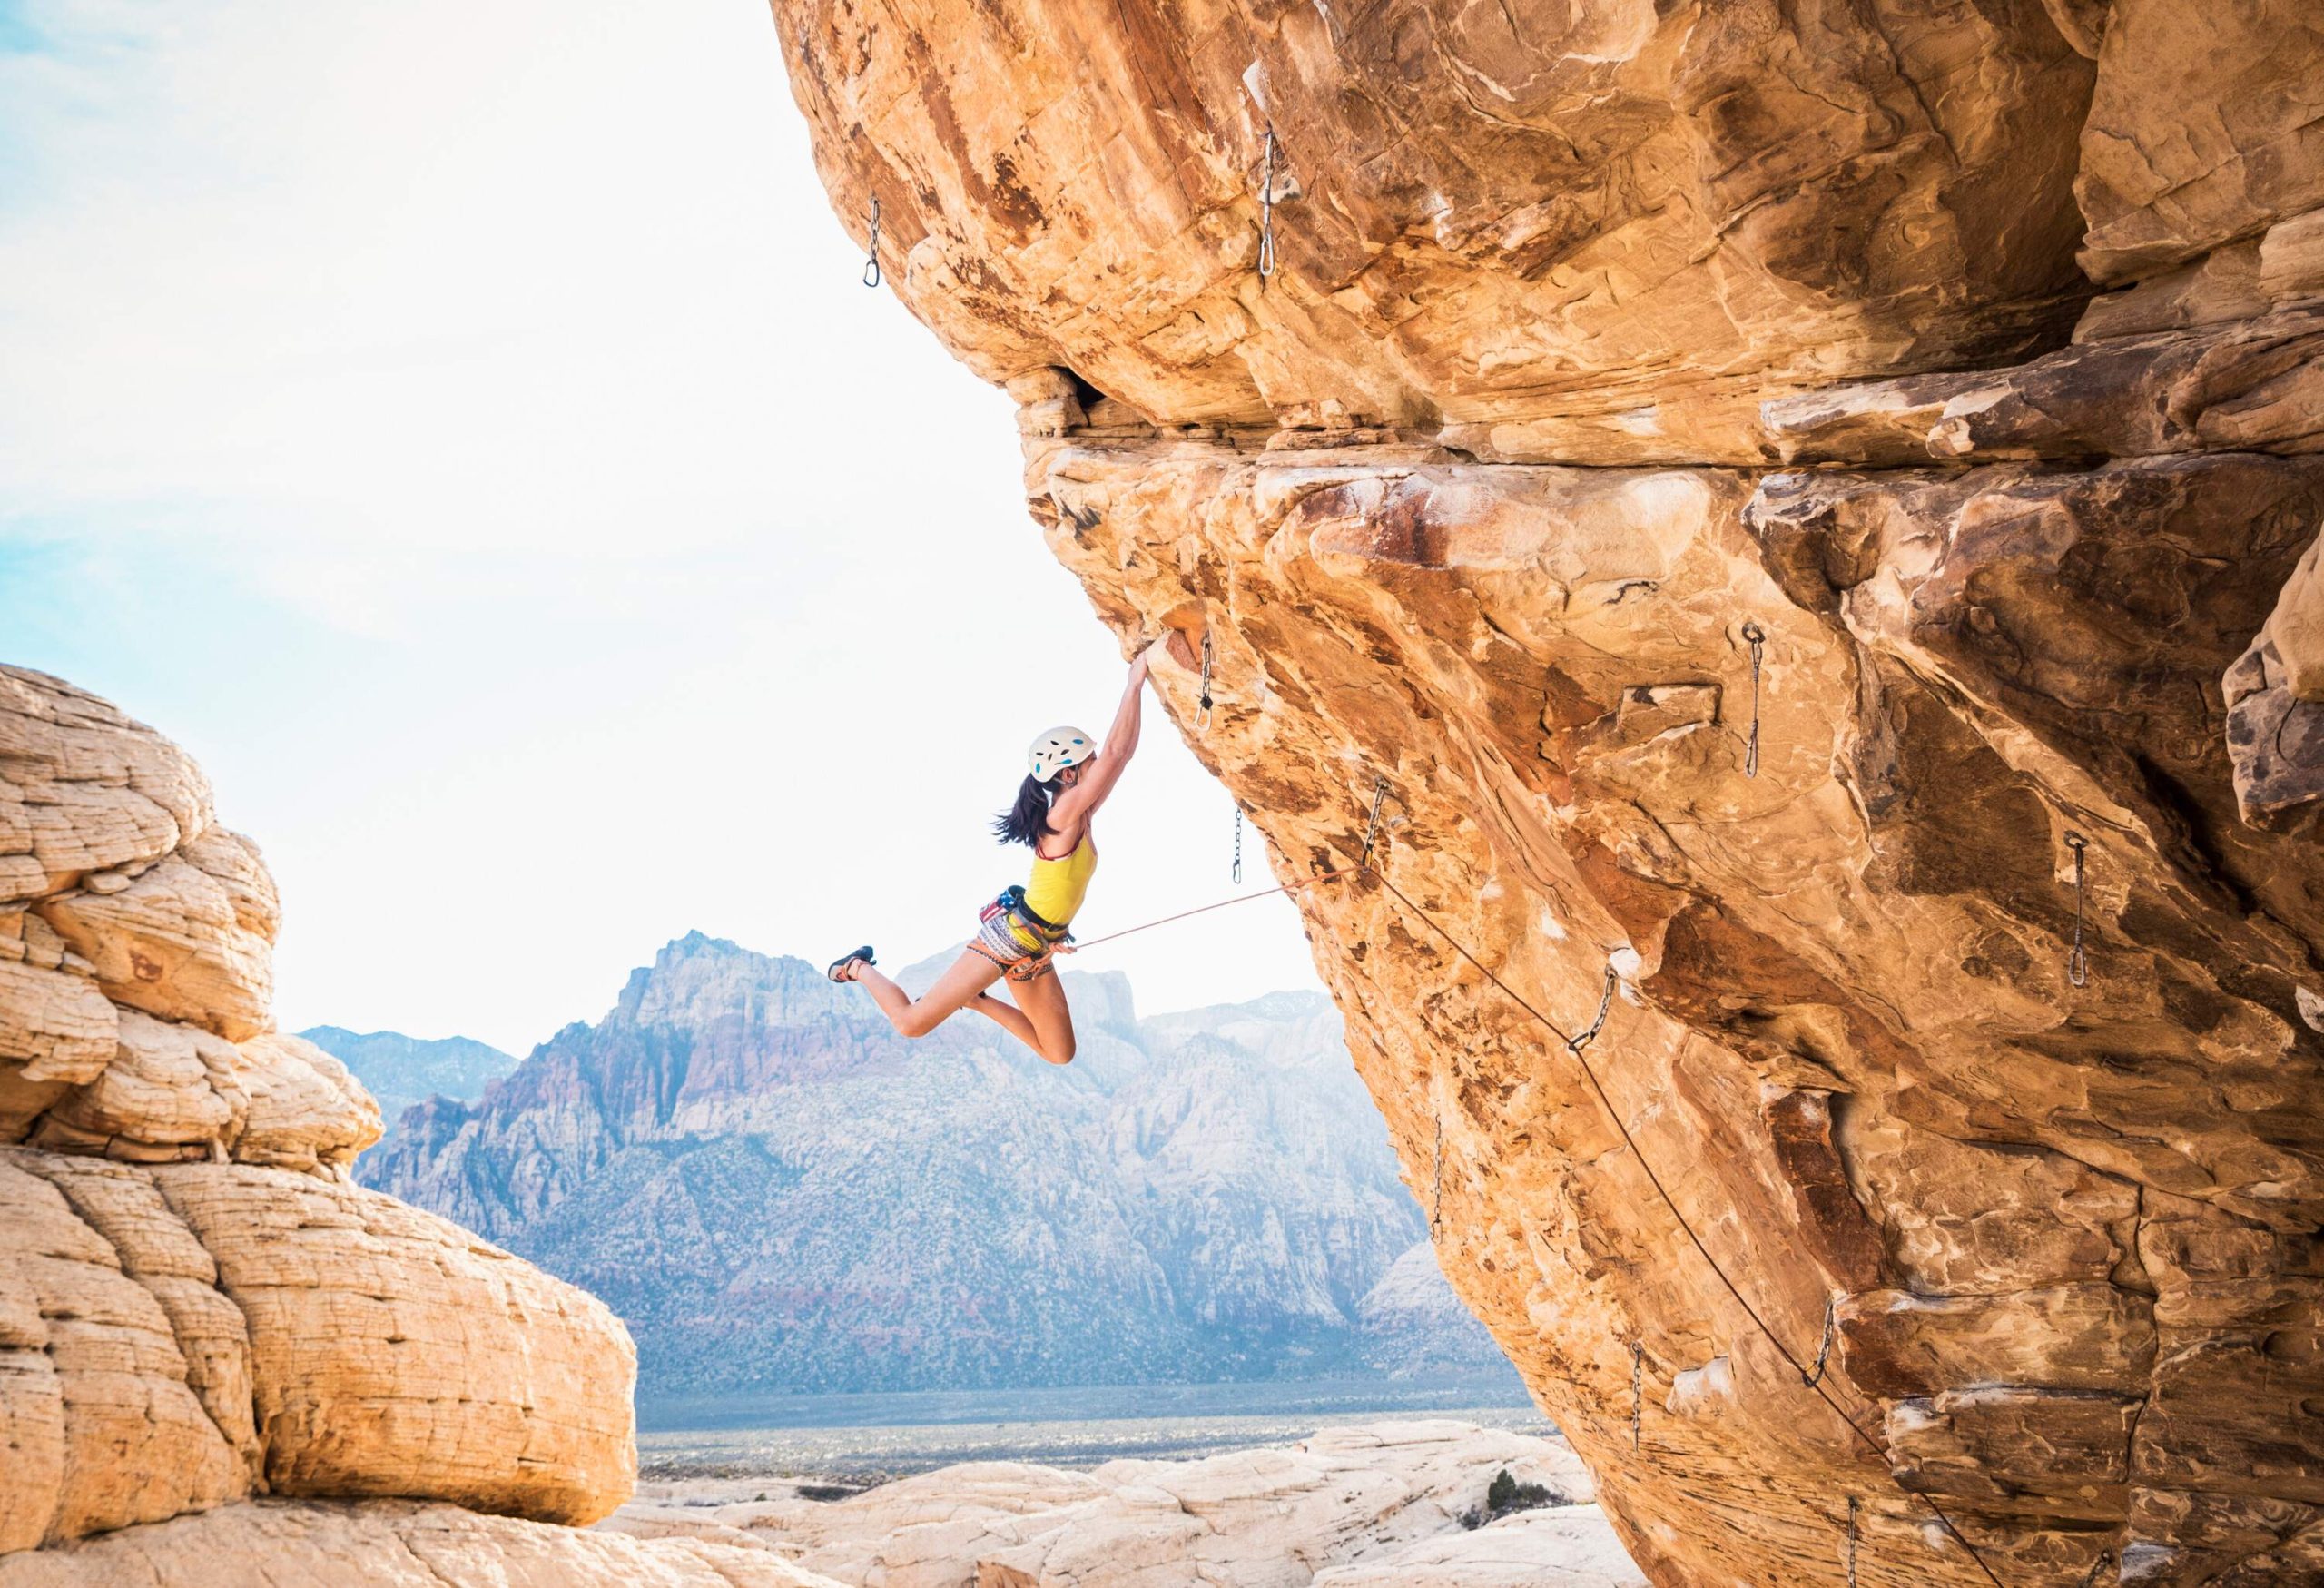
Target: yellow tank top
{"x":1056,"y":889}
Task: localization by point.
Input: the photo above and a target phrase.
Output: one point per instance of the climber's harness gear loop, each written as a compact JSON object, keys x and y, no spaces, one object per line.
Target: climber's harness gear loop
{"x":1757,"y":637}
{"x":1016,"y":939}
{"x":2077,"y":961}
{"x":871,"y":248}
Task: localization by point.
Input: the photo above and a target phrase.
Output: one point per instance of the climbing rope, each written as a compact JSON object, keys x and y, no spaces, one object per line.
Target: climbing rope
{"x":1238,"y":846}
{"x":1823,"y":1346}
{"x":1638,"y":1393}
{"x":1317,"y":880}
{"x":1852,"y":1502}
{"x":1202,"y":707}
{"x":1686,"y":1227}
{"x":1266,"y":206}
{"x":2077,"y":961}
{"x":872,"y":249}
{"x":1578,"y":1044}
{"x":1758,"y":637}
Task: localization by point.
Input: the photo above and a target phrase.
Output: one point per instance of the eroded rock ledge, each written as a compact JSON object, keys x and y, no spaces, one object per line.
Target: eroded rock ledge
{"x":1604,"y":338}
{"x":205,"y":1326}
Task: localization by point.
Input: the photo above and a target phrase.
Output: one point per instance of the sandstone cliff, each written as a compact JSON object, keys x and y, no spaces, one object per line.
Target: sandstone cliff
{"x":778,"y":1194}
{"x":197,"y":1305}
{"x":1811,"y":509}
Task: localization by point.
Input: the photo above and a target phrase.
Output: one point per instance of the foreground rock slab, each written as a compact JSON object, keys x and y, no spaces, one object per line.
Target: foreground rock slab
{"x":197,"y":1305}
{"x":1388,"y":1503}
{"x":388,"y":1543}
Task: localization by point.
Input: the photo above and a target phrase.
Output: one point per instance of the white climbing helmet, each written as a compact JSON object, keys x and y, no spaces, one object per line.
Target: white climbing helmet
{"x":1057,"y":749}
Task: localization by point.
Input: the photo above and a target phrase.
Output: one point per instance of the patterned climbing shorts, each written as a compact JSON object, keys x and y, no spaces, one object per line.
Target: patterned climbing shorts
{"x":1020,"y":952}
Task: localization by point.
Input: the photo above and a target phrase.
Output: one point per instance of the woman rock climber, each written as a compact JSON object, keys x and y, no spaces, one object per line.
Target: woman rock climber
{"x":1022,"y":930}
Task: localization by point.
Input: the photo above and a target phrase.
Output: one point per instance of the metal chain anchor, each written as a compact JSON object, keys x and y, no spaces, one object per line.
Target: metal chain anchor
{"x":1372,"y":829}
{"x":1202,"y":707}
{"x":1852,"y":1504}
{"x":1638,"y":1393}
{"x":872,"y":249}
{"x":1757,"y":638}
{"x":2077,"y":961}
{"x":1598,"y":1022}
{"x":1238,"y":846}
{"x":1266,"y":206}
{"x":2105,"y":1558}
{"x":1436,"y":1202}
{"x":1823,"y":1346}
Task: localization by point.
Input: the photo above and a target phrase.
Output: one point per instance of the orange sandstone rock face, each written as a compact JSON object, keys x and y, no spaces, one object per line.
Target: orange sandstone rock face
{"x":1666,"y":453}
{"x":197,"y":1306}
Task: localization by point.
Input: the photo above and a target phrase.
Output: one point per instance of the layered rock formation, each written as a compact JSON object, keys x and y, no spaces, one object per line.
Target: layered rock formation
{"x":1811,"y":510}
{"x":780,"y":1195}
{"x":197,"y":1305}
{"x":1389,"y":1506}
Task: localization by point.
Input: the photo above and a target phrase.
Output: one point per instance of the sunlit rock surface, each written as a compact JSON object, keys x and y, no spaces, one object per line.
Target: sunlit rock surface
{"x":1391,"y":1503}
{"x":390,"y":1544}
{"x":1923,"y":613}
{"x":197,"y":1305}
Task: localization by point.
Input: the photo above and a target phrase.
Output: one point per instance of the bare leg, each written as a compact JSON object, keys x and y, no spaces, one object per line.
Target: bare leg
{"x":968,"y":978}
{"x":1008,"y":1018}
{"x":1041,"y":1004}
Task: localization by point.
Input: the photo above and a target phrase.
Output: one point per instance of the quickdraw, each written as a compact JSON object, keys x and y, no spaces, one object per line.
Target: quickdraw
{"x":1757,"y":638}
{"x":871,"y":248}
{"x":2077,"y":960}
{"x":1266,"y":206}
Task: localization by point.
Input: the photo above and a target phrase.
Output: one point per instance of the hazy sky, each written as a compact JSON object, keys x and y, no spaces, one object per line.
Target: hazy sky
{"x":462,"y":428}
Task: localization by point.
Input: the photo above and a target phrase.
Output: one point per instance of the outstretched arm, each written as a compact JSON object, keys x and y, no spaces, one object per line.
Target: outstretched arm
{"x":1078,"y":804}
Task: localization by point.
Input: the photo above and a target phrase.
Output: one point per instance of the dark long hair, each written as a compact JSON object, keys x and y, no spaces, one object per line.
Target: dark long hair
{"x":1028,"y":820}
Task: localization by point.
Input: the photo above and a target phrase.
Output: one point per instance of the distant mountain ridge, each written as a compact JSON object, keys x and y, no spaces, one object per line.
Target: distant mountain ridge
{"x":779,"y":1194}
{"x":400,"y":1071}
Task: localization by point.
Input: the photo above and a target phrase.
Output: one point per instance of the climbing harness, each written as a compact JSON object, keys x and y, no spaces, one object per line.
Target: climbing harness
{"x":1758,"y":637}
{"x":1266,"y":207}
{"x":1638,"y":1393}
{"x":1823,"y":1346}
{"x":2077,"y":961}
{"x":1202,"y":706}
{"x":1852,"y":1541}
{"x":872,"y":249}
{"x":1238,"y":846}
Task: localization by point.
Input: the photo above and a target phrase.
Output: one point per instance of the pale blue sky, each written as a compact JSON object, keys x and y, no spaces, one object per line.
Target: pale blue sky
{"x":461,"y":427}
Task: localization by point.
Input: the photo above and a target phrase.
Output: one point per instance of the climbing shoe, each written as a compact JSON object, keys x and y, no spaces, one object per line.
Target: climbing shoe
{"x":840,"y":969}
